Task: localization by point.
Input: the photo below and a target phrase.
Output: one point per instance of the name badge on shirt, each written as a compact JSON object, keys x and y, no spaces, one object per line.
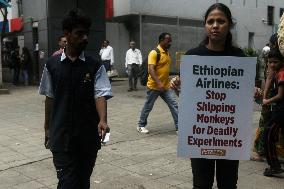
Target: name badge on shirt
{"x":87,"y":78}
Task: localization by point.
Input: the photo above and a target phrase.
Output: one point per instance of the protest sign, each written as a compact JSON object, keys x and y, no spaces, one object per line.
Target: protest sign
{"x":216,"y":106}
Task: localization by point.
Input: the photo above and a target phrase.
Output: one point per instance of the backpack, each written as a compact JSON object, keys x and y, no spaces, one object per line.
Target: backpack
{"x":143,"y":72}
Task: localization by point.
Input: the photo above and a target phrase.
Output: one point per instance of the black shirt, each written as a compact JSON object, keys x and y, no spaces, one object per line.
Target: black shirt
{"x":74,"y":116}
{"x":202,"y":50}
{"x":15,"y":59}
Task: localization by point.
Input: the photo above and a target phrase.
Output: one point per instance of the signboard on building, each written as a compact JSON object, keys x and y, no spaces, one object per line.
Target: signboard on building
{"x":14,"y":24}
{"x":216,"y":106}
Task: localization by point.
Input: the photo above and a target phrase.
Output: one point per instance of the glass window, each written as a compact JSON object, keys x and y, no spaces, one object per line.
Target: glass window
{"x":270,"y":15}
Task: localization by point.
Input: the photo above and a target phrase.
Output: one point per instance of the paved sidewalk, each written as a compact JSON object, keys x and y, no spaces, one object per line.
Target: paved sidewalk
{"x":129,"y":161}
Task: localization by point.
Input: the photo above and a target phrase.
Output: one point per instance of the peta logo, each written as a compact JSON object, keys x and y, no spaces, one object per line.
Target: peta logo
{"x":214,"y":152}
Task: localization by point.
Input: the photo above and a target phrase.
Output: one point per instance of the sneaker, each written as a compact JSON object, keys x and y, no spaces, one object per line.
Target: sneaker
{"x":269,"y":172}
{"x":142,"y":130}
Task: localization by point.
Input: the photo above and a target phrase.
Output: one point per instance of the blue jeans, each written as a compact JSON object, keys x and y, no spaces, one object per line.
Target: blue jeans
{"x":25,"y":76}
{"x":152,"y":95}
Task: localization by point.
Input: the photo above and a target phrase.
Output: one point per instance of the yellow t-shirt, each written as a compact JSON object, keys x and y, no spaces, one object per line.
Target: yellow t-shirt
{"x":162,"y":68}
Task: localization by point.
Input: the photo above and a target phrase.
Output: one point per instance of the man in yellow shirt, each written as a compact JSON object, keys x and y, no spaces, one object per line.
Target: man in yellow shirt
{"x":158,"y":82}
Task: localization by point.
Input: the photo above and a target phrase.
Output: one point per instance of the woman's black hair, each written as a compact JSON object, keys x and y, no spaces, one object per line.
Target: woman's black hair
{"x":274,"y":40}
{"x":275,"y":53}
{"x":228,"y":14}
{"x":76,"y":18}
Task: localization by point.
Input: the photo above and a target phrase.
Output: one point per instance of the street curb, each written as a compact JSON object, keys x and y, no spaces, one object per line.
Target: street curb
{"x":4,"y":91}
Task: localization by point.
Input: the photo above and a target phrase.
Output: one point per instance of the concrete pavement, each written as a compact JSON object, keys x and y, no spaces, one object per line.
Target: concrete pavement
{"x":130,"y":161}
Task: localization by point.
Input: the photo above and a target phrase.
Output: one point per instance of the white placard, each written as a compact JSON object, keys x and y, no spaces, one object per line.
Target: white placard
{"x":216,"y":107}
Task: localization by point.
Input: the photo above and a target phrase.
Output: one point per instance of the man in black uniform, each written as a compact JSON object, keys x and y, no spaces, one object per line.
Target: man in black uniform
{"x":76,"y":89}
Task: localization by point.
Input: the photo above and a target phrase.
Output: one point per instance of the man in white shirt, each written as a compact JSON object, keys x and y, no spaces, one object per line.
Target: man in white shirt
{"x":106,"y":54}
{"x":133,"y":60}
{"x":62,"y":41}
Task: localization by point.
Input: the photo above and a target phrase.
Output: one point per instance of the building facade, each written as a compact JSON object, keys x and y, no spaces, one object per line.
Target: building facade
{"x":41,"y":27}
{"x":142,"y":21}
{"x":11,"y":33}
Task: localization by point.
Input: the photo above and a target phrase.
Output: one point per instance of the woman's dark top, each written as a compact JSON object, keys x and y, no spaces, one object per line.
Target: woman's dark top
{"x":202,"y":50}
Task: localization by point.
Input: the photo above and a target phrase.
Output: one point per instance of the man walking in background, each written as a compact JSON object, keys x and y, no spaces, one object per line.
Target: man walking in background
{"x":62,"y":44}
{"x":158,"y":82}
{"x":133,"y":60}
{"x":106,"y":54}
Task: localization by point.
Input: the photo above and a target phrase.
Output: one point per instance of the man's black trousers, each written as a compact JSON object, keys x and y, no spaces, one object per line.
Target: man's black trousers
{"x":133,"y":70}
{"x":107,"y":65}
{"x":74,"y":169}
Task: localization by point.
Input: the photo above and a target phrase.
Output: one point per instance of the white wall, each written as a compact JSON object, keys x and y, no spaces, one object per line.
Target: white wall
{"x":13,"y":11}
{"x":121,"y":7}
{"x":118,"y":37}
{"x":248,"y":14}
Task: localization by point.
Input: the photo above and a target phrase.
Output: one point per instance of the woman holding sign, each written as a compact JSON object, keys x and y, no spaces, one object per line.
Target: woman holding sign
{"x":218,"y":42}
